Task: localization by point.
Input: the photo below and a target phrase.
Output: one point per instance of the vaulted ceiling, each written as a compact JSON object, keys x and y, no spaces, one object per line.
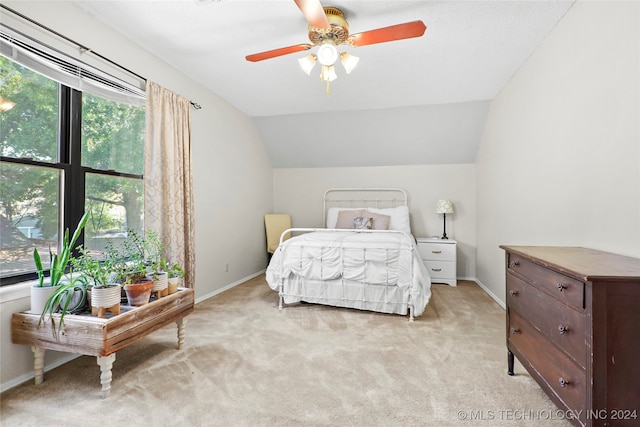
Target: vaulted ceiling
{"x":415,"y":101}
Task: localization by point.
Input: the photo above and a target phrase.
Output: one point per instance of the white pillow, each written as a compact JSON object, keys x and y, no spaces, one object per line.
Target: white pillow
{"x":332,"y":215}
{"x":399,"y":217}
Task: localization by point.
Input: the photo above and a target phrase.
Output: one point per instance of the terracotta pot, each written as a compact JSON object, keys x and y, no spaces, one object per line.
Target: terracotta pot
{"x":138,"y":293}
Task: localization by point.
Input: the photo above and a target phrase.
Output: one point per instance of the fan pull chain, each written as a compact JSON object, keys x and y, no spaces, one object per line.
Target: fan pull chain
{"x":328,"y":88}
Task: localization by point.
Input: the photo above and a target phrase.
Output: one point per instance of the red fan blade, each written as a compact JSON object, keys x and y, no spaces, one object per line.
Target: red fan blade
{"x":278,"y":52}
{"x":314,"y":13}
{"x":387,"y":34}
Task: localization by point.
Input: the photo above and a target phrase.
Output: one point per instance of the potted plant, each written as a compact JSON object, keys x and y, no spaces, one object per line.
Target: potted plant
{"x":49,"y":279}
{"x":102,"y":292}
{"x":129,"y":265}
{"x":153,"y":249}
{"x":68,"y":295}
{"x":176,"y":274}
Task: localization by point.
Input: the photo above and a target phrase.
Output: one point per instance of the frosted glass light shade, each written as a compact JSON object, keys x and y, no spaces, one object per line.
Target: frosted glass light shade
{"x":307,"y":63}
{"x":349,"y":62}
{"x":328,"y":73}
{"x":444,"y":207}
{"x":327,"y":53}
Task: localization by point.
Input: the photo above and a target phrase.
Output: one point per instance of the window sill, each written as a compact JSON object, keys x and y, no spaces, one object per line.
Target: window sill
{"x":16,"y":291}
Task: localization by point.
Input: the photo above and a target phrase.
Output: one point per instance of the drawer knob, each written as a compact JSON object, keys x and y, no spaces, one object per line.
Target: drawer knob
{"x":515,"y":331}
{"x":515,"y":264}
{"x":563,"y":382}
{"x":513,"y":293}
{"x":436,"y":269}
{"x":436,"y":252}
{"x":563,"y":329}
{"x":561,"y":286}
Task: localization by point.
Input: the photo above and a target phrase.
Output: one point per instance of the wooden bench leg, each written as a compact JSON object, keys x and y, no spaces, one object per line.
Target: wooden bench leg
{"x":106,"y":363}
{"x":100,"y":311}
{"x":181,"y":324}
{"x":38,"y":363}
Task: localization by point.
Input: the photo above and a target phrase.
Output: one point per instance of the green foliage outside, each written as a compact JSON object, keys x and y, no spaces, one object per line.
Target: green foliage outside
{"x":112,"y":139}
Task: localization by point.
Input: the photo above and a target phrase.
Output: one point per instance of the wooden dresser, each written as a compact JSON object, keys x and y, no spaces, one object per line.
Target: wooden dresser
{"x":573,"y":321}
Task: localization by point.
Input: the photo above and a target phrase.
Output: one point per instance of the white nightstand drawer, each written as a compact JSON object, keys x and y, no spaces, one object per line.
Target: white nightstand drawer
{"x":437,"y":251}
{"x":439,"y":257}
{"x":441,"y":269}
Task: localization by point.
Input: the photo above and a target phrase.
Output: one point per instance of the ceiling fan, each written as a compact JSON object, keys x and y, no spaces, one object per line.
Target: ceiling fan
{"x":328,"y":29}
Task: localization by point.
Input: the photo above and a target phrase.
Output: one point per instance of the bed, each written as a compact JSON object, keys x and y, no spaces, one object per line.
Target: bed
{"x":364,"y":258}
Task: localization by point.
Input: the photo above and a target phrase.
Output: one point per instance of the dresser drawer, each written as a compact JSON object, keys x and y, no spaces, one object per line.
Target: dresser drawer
{"x":562,"y":325}
{"x":564,"y":288}
{"x":437,"y":251}
{"x":548,"y":365}
{"x":441,"y":269}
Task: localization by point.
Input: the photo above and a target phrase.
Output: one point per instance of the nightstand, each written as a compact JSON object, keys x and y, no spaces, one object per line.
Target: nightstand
{"x":439,"y":256}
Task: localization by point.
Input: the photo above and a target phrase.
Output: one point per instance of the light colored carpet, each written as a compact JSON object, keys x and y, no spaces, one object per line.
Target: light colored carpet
{"x":247,"y":364}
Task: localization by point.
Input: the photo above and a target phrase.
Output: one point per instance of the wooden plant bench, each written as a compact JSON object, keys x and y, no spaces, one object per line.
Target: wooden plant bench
{"x":101,"y":337}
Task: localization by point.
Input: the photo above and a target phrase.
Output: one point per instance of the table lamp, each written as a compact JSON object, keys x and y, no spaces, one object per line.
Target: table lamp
{"x":444,"y":207}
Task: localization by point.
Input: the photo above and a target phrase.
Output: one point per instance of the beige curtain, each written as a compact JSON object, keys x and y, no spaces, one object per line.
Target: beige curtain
{"x":168,"y":185}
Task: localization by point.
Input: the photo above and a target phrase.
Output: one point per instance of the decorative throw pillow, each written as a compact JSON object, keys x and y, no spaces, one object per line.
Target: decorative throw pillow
{"x":345,"y":218}
{"x":380,"y":222}
{"x":332,"y":215}
{"x":362,"y":223}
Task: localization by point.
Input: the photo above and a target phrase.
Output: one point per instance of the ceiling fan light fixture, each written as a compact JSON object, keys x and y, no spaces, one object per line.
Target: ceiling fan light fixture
{"x":327,"y":53}
{"x":307,"y":63}
{"x":328,"y":73}
{"x":349,"y":61}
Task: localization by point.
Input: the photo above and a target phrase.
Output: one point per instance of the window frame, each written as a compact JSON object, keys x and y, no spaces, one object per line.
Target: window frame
{"x":72,"y":195}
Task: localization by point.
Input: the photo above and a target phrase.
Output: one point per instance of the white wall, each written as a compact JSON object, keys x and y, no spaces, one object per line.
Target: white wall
{"x":300,"y":191}
{"x":231,"y":171}
{"x":559,"y":162}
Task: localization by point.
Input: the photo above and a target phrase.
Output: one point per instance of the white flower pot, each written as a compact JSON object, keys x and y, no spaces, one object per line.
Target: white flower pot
{"x":105,"y":297}
{"x":39,"y":297}
{"x":160,"y":281}
{"x":78,"y":300}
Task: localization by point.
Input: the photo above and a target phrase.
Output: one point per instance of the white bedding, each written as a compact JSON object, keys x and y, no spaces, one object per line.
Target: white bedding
{"x":370,"y":270}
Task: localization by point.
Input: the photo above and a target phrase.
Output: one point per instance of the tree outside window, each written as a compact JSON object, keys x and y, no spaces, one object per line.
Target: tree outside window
{"x":38,"y":138}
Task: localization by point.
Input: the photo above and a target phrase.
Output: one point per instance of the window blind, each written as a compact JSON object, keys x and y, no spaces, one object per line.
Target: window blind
{"x":64,"y":69}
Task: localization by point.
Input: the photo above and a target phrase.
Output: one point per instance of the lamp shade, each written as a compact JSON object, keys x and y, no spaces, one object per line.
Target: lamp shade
{"x":349,"y":61}
{"x":444,"y":207}
{"x":307,"y":63}
{"x":328,"y":73}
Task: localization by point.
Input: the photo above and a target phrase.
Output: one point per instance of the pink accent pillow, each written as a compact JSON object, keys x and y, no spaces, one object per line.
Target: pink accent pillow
{"x":380,"y":221}
{"x":345,"y":218}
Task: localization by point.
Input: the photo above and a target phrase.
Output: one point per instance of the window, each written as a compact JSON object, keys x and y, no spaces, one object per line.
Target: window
{"x":63,"y":151}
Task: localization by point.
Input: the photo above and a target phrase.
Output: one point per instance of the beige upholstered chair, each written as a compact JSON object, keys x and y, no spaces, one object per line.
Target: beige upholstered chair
{"x":274,"y":225}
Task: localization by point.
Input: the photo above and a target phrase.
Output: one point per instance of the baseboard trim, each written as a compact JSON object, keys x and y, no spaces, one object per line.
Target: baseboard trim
{"x":229,"y":286}
{"x":30,"y":376}
{"x":491,"y":294}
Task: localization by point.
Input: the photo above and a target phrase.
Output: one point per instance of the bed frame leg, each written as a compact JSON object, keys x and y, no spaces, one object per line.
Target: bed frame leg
{"x":280,"y":299}
{"x":411,"y":313}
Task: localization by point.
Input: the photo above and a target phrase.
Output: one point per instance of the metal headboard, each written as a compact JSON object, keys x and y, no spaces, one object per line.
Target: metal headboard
{"x":397,"y":197}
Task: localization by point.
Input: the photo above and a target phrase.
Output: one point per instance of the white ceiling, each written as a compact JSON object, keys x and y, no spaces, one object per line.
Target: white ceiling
{"x":469,"y":51}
